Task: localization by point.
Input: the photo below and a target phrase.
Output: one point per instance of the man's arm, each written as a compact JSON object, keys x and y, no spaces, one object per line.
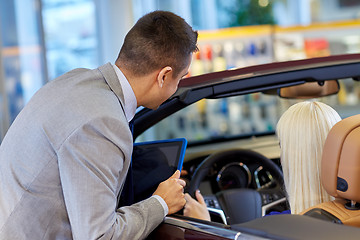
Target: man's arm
{"x":91,"y":165}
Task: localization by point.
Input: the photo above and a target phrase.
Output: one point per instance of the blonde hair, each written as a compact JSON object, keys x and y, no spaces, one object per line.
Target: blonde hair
{"x":302,"y":131}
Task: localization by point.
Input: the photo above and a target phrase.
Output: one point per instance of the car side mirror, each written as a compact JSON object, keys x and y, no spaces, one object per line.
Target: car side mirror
{"x":310,"y":90}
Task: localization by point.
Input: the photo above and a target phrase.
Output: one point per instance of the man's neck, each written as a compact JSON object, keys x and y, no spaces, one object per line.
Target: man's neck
{"x":141,"y":85}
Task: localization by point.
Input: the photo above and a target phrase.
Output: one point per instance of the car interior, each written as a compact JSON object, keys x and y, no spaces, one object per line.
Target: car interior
{"x":236,"y":162}
{"x":241,"y":186}
{"x":341,"y":176}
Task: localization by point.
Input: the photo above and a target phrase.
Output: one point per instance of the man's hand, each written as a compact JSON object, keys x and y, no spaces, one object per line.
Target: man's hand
{"x":172,"y":191}
{"x":196,"y":209}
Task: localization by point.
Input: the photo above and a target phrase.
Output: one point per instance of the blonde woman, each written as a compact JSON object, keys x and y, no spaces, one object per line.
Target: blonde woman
{"x":302,"y":131}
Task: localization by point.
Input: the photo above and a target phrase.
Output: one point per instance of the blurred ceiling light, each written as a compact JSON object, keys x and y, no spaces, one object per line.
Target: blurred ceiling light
{"x":263,"y":3}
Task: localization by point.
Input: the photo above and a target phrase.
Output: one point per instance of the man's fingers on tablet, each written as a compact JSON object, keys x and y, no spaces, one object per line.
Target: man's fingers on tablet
{"x":181,"y":182}
{"x":176,"y":174}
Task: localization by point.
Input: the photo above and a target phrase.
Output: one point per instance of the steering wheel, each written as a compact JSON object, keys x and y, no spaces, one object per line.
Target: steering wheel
{"x":241,"y":204}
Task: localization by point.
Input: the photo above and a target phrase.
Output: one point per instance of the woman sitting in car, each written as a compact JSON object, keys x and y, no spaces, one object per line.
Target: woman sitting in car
{"x":302,"y":131}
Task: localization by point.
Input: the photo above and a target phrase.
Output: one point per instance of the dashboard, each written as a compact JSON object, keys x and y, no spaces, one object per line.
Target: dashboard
{"x":236,"y":172}
{"x":230,"y":174}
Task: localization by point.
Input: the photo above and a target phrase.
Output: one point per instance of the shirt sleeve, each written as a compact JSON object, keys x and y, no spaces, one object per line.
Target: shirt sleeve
{"x":163,"y":204}
{"x":91,"y":165}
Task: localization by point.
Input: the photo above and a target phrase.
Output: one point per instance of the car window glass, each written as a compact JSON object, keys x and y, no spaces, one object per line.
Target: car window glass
{"x":255,"y":113}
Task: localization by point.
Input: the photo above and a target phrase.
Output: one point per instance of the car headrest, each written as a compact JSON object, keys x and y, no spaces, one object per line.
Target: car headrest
{"x":340,"y":165}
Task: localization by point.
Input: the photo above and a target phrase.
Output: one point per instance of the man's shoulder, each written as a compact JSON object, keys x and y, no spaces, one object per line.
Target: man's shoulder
{"x":75,"y":72}
{"x":81,"y":70}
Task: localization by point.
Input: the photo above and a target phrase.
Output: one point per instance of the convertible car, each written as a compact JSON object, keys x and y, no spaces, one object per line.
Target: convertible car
{"x":232,"y":156}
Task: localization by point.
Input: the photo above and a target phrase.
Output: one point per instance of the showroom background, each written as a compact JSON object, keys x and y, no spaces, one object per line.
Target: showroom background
{"x":42,"y":39}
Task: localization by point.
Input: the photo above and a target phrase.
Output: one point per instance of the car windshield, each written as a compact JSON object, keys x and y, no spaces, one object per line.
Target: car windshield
{"x":244,"y":115}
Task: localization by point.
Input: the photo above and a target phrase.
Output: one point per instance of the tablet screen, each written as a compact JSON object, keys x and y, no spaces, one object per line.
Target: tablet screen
{"x":154,"y":162}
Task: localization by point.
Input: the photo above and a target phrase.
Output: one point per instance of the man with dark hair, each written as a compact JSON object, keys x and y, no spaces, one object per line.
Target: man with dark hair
{"x":148,"y":47}
{"x":65,"y":158}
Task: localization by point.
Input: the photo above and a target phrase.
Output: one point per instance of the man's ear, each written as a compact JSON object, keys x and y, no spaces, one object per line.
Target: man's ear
{"x":163,"y":74}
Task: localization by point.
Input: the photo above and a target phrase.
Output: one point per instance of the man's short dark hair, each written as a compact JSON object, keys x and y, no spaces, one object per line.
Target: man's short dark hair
{"x":158,"y":39}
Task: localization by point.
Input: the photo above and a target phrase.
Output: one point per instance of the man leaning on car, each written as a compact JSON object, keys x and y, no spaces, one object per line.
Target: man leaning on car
{"x":65,"y":158}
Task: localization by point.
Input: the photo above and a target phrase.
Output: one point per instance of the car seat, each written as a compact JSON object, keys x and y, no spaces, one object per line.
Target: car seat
{"x":340,"y":174}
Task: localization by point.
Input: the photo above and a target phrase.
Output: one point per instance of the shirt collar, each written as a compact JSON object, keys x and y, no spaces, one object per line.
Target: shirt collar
{"x":130,"y":101}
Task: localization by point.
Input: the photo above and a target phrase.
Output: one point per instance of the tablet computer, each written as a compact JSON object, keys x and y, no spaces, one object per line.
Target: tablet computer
{"x":154,"y":162}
